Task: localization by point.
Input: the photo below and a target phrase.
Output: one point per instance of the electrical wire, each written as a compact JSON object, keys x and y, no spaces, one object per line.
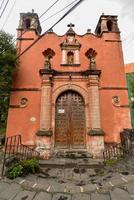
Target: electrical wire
{"x":2,"y":4}
{"x":48,"y":9}
{"x":70,"y":10}
{"x":4,"y":8}
{"x":10,"y":11}
{"x":58,"y":11}
{"x":31,"y":25}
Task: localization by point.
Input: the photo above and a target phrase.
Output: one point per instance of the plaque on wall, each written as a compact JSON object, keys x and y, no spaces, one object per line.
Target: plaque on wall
{"x":61,"y":111}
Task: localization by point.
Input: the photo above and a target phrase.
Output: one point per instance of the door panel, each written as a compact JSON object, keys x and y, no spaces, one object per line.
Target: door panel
{"x":70,"y":121}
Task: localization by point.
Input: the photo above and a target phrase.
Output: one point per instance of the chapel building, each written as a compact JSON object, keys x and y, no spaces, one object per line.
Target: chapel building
{"x":69,"y":91}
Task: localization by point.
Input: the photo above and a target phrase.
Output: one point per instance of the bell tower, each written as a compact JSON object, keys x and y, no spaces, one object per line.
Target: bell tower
{"x":29,"y":22}
{"x":28,"y":31}
{"x":107,"y":24}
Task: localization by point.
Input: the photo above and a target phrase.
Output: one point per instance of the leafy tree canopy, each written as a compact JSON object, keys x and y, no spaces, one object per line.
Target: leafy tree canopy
{"x":8,"y":64}
{"x":130,"y":80}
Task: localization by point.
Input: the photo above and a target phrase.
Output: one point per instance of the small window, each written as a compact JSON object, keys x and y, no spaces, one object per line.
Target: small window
{"x":70,"y":57}
{"x":27,"y":23}
{"x":109,"y":25}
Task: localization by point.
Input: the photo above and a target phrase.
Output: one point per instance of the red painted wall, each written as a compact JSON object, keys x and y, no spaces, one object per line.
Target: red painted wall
{"x":109,"y":60}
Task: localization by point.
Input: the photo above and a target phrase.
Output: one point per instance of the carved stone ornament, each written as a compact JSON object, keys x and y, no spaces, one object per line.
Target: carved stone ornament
{"x":116,"y":101}
{"x":48,"y":54}
{"x":70,"y":43}
{"x":91,"y":54}
{"x":23,"y":102}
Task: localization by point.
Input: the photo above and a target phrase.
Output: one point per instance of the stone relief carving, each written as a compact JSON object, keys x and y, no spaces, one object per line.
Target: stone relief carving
{"x":23,"y":102}
{"x":48,"y":54}
{"x":91,"y":54}
{"x":70,"y":48}
{"x":116,"y":100}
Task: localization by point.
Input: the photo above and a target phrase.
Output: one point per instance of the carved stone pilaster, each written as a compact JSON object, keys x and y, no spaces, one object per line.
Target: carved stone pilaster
{"x":93,"y":87}
{"x":46,"y":101}
{"x":96,"y":144}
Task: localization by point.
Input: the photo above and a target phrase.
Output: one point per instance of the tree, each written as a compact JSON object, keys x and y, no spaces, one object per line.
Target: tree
{"x":130,"y":81}
{"x":130,"y":84}
{"x":8,"y":64}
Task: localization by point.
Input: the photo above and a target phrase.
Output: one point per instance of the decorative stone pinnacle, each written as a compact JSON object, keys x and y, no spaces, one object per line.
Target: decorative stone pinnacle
{"x":89,"y":30}
{"x":70,"y":25}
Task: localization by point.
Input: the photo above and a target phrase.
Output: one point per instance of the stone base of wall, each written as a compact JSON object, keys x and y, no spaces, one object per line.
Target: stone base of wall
{"x":96,"y":146}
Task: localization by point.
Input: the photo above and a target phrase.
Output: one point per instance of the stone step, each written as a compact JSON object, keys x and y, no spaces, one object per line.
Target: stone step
{"x":71,"y":163}
{"x":72,"y":154}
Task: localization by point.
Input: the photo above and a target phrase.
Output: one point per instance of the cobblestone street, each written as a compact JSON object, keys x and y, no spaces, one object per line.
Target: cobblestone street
{"x":21,"y":189}
{"x":109,"y":183}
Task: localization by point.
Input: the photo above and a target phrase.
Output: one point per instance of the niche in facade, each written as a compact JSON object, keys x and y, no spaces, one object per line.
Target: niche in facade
{"x":91,"y":54}
{"x":48,"y":55}
{"x":70,"y":49}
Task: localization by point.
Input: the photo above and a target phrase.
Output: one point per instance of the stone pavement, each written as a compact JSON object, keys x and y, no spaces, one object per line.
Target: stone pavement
{"x":109,"y":183}
{"x":26,"y":190}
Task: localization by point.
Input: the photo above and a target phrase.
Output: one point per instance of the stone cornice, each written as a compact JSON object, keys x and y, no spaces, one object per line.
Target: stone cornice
{"x":67,"y":73}
{"x":25,"y":89}
{"x":25,"y":38}
{"x":72,"y":65}
{"x":113,"y":88}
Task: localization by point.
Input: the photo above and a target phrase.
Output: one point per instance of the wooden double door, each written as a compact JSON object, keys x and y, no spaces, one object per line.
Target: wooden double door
{"x":70,"y":121}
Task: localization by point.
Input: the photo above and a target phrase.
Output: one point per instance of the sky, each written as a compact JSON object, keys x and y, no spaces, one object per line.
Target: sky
{"x":85,"y":16}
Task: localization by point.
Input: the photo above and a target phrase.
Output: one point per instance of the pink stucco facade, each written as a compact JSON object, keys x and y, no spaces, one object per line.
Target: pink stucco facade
{"x":102,"y":88}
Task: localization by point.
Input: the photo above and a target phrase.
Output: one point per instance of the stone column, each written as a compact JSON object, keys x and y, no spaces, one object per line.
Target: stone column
{"x":64,"y":59}
{"x":45,"y":113}
{"x":43,"y":141}
{"x":76,"y":60}
{"x":94,"y":101}
{"x":96,"y":142}
{"x":103,"y":24}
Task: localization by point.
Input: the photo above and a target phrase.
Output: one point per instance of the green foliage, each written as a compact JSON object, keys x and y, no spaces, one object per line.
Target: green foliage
{"x":2,"y":131}
{"x":23,"y":168}
{"x":15,"y":171}
{"x":8,"y":65}
{"x":130,"y":84}
{"x":111,"y":162}
{"x":130,"y":80}
{"x":30,"y":166}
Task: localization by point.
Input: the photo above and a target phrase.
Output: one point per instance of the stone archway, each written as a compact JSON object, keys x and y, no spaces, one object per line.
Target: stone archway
{"x":70,"y":129}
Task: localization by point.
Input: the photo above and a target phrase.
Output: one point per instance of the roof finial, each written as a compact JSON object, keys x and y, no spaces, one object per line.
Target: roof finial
{"x":32,"y":10}
{"x":70,"y":25}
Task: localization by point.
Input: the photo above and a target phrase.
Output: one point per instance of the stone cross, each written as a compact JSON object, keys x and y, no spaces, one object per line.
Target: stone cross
{"x":70,"y":25}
